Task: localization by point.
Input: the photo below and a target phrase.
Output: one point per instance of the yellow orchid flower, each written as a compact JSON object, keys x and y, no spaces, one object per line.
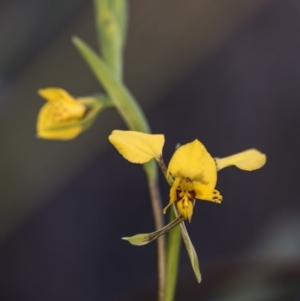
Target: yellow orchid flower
{"x":63,"y":117}
{"x":195,"y":176}
{"x":192,"y":172}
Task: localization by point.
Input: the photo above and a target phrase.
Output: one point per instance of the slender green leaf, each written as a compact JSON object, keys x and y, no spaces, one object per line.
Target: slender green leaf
{"x":119,"y":94}
{"x":122,"y":99}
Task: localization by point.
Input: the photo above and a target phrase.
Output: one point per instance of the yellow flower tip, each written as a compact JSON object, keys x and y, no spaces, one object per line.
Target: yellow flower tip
{"x":249,"y":160}
{"x":137,"y":147}
{"x":60,"y":118}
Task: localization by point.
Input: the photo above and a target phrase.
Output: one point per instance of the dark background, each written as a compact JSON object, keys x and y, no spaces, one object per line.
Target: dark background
{"x":65,"y":205}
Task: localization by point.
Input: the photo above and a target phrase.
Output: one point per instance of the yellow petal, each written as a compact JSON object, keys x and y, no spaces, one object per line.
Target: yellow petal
{"x":250,"y":159}
{"x":194,"y":162}
{"x":56,"y":94}
{"x":207,"y":193}
{"x":137,"y":147}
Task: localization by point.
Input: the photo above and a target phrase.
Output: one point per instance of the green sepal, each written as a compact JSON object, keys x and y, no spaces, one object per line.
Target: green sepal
{"x":145,"y":238}
{"x":191,"y":251}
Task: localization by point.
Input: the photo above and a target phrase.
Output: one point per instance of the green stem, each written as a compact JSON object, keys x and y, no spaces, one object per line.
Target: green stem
{"x":135,"y":120}
{"x":111,"y":24}
{"x":159,"y":223}
{"x":173,"y":250}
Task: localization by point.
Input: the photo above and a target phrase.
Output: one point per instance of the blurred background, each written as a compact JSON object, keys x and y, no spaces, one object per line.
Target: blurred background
{"x":224,"y":71}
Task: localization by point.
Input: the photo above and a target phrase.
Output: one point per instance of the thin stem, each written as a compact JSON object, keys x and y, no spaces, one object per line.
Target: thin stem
{"x":173,"y":251}
{"x":159,"y":223}
{"x":163,"y":168}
